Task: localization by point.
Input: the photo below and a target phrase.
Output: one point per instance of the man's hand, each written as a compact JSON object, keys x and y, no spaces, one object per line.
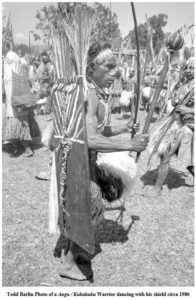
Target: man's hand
{"x":139,"y":142}
{"x":132,"y":127}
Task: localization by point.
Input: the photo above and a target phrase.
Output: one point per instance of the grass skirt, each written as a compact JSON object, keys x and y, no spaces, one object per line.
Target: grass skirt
{"x":21,"y":128}
{"x":171,"y":137}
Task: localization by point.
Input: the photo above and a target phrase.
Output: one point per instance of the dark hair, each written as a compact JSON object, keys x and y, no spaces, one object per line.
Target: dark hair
{"x":44,"y":54}
{"x":22,"y":52}
{"x":93,"y":51}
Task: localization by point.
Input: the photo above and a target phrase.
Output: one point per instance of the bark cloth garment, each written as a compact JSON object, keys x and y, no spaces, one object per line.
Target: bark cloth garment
{"x":179,"y":136}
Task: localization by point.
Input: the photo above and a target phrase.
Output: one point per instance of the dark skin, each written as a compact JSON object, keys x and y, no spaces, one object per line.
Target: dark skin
{"x":99,"y":142}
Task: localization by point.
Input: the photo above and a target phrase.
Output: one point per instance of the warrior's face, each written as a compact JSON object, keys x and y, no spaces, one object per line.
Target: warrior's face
{"x":103,"y":69}
{"x":104,"y":74}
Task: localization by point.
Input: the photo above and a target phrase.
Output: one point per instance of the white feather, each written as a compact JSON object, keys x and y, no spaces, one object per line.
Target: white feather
{"x":126,"y":97}
{"x":146,"y":92}
{"x":119,"y":164}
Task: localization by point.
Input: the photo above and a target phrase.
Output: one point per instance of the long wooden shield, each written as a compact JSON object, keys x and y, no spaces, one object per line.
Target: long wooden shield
{"x":72,"y":162}
{"x":72,"y":165}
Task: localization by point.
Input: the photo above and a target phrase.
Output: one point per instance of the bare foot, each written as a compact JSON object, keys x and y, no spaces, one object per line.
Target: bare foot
{"x":154,"y":192}
{"x":70,"y":270}
{"x":27,"y":154}
{"x":157,"y":191}
{"x":44,"y":175}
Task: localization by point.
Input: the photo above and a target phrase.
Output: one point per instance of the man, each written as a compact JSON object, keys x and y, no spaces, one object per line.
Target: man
{"x":100,"y":73}
{"x":45,"y":75}
{"x":179,"y":137}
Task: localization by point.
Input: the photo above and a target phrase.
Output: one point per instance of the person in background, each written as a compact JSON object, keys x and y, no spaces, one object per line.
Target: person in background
{"x":24,"y":66}
{"x":179,"y":138}
{"x":17,"y":124}
{"x":45,"y":75}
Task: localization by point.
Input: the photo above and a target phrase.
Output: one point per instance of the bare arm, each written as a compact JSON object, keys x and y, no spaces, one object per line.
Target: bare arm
{"x":102,"y":143}
{"x":111,"y":130}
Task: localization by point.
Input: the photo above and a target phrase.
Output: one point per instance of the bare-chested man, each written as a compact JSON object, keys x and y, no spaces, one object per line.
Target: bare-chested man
{"x":100,"y":73}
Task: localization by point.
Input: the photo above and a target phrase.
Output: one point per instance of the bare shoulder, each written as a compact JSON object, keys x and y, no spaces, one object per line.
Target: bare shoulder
{"x":92,"y":101}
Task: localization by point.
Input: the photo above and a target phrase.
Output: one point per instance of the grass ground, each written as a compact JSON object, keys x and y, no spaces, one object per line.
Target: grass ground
{"x":152,"y":246}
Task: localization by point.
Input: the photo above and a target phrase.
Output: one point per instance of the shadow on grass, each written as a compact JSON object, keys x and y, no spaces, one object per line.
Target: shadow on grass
{"x":111,"y":231}
{"x":108,"y":231}
{"x":175,"y":179}
{"x":15,"y":149}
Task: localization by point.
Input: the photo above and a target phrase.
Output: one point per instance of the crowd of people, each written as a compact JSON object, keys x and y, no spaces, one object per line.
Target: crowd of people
{"x":101,"y":73}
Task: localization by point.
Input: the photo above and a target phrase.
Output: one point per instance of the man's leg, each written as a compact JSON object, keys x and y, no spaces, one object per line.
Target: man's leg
{"x":27,"y":149}
{"x":163,"y":171}
{"x":69,"y":267}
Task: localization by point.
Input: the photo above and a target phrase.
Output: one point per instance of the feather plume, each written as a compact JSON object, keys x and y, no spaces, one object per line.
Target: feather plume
{"x":119,"y":165}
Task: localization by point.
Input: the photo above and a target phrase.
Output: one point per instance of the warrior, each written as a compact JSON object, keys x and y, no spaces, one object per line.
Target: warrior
{"x":178,"y":139}
{"x":100,"y":74}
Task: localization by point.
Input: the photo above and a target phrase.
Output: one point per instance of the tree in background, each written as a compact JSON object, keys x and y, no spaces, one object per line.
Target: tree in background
{"x":158,"y":36}
{"x":21,"y":47}
{"x":157,"y":23}
{"x":7,"y":33}
{"x":45,"y":16}
{"x":36,"y":50}
{"x":106,"y":27}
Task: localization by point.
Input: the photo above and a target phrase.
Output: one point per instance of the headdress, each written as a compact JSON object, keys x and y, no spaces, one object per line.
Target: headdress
{"x":103,"y":56}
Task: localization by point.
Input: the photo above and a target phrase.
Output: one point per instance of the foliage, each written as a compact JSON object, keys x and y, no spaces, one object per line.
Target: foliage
{"x":23,"y":47}
{"x":7,"y":33}
{"x":45,"y":16}
{"x":157,"y":23}
{"x":36,"y":50}
{"x":36,"y":36}
{"x":158,"y":36}
{"x":106,"y":27}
